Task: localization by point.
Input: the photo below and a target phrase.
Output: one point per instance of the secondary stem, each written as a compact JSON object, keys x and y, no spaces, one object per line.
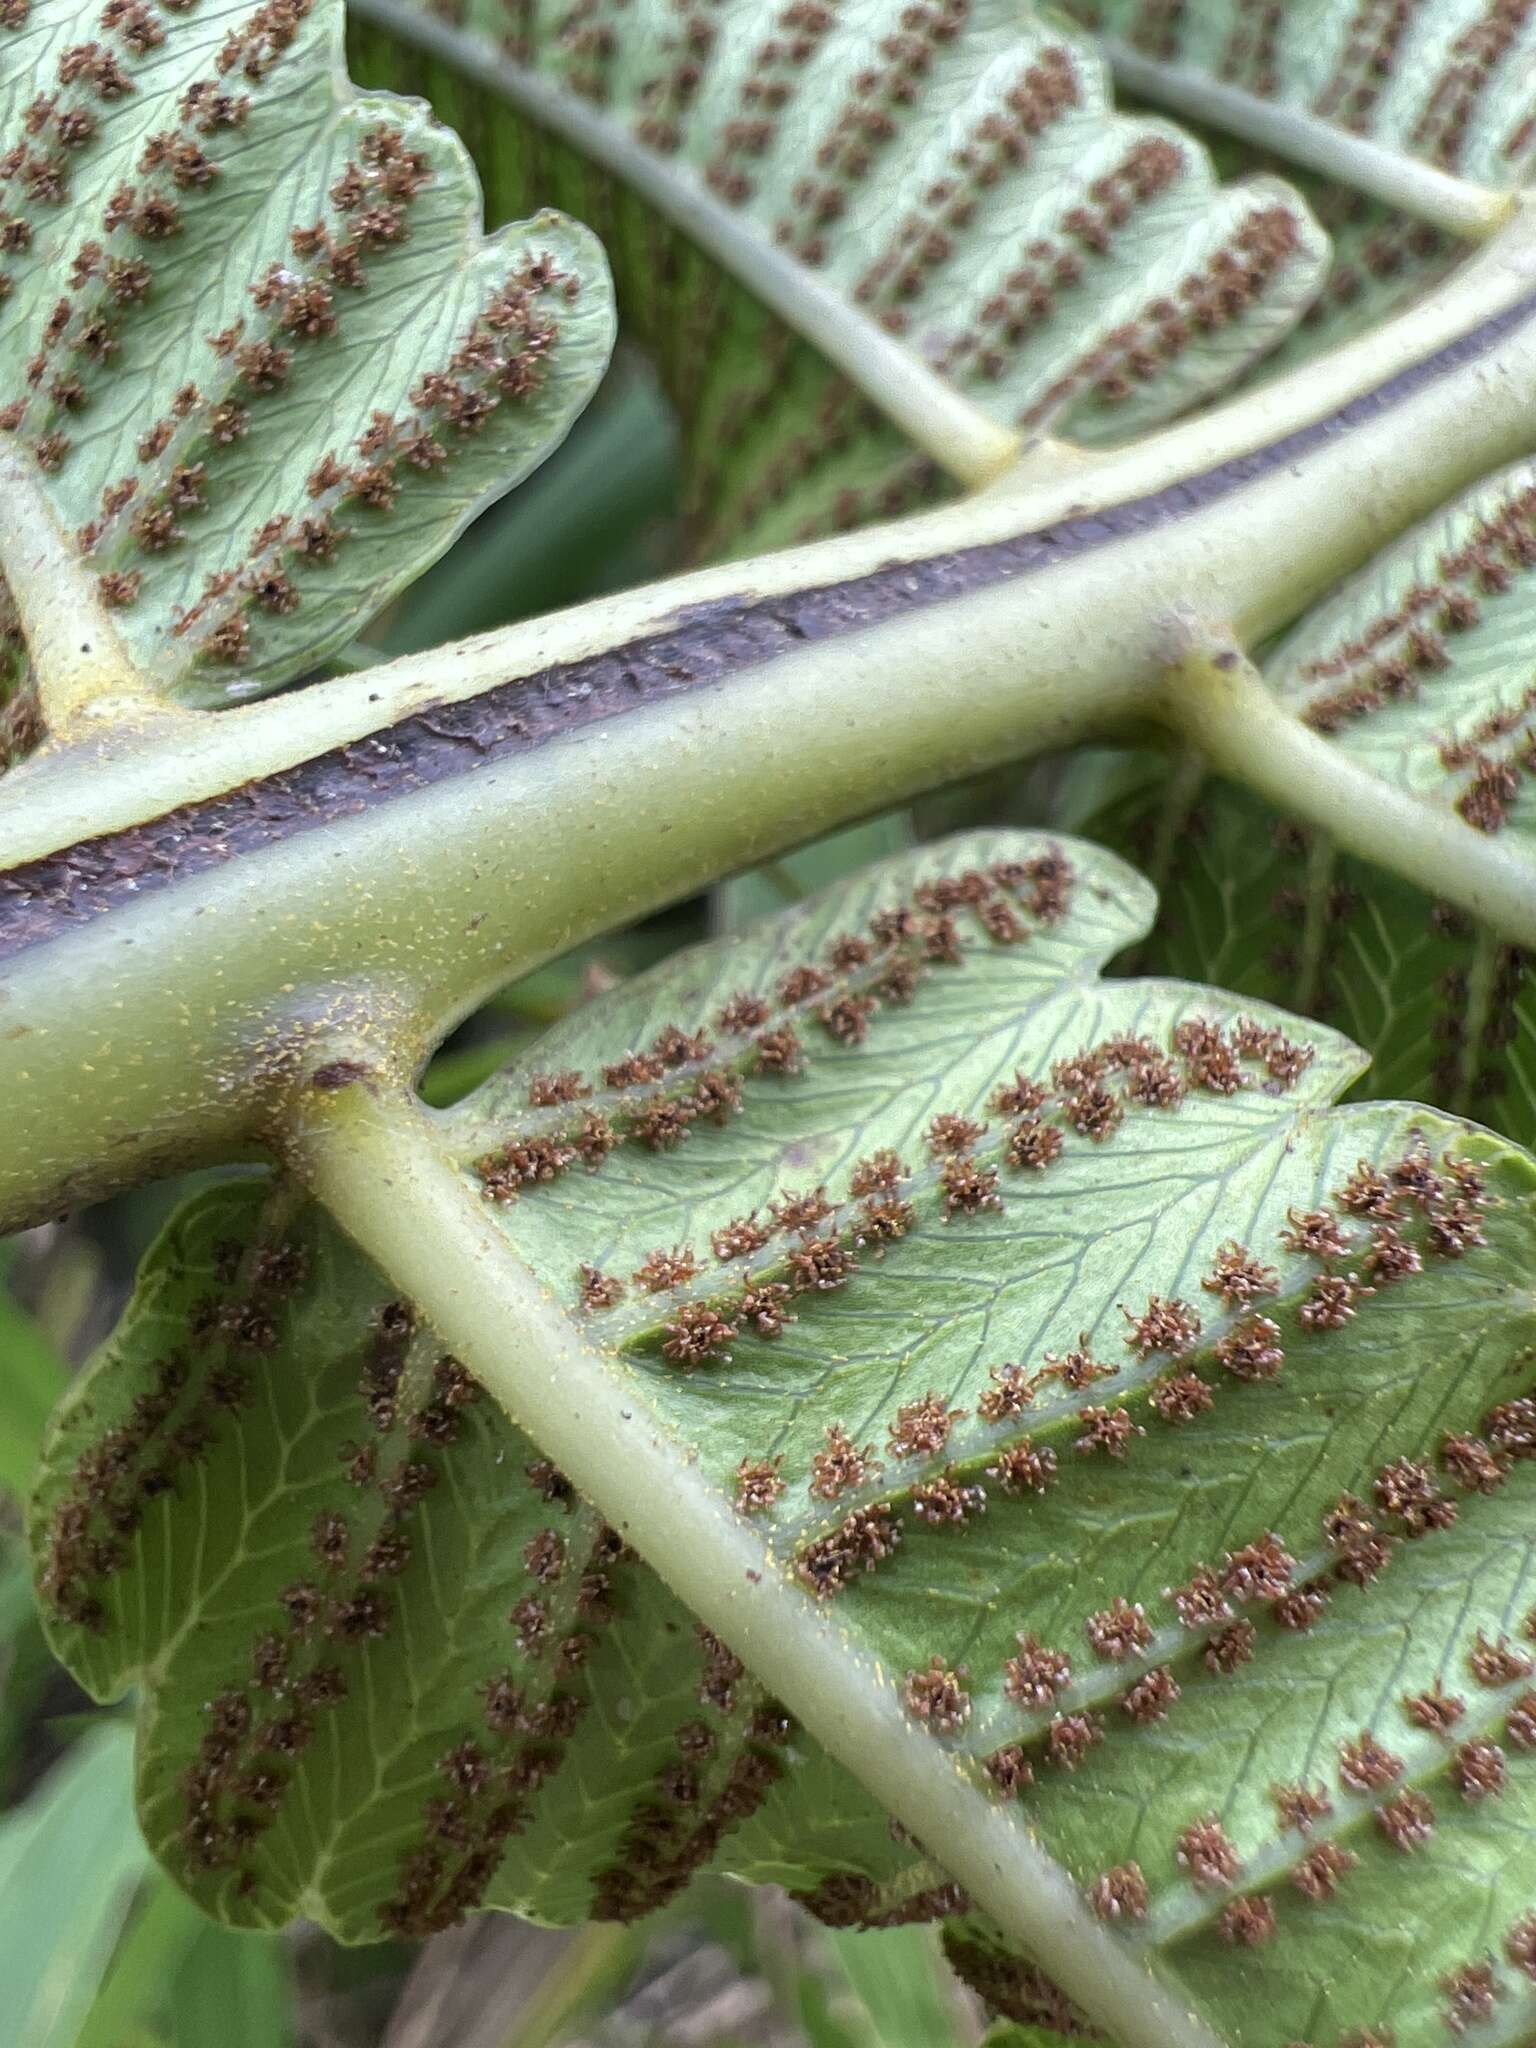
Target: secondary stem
{"x":966,"y":441}
{"x":76,"y":653}
{"x":1218,"y":701}
{"x":368,"y":1152}
{"x":1471,"y":211}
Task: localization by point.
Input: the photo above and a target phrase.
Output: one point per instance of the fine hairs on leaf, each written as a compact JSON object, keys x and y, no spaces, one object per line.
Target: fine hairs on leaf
{"x":1003,"y":1393}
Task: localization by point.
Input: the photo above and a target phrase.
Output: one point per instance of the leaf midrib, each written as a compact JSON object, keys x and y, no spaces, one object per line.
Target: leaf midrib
{"x":938,"y":418}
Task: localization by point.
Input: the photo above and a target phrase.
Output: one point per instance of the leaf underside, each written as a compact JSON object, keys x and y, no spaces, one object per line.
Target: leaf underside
{"x":258,"y":356}
{"x":1215,"y":1394}
{"x":954,"y":172}
{"x":1446,"y":81}
{"x":1420,"y":668}
{"x":781,"y":447}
